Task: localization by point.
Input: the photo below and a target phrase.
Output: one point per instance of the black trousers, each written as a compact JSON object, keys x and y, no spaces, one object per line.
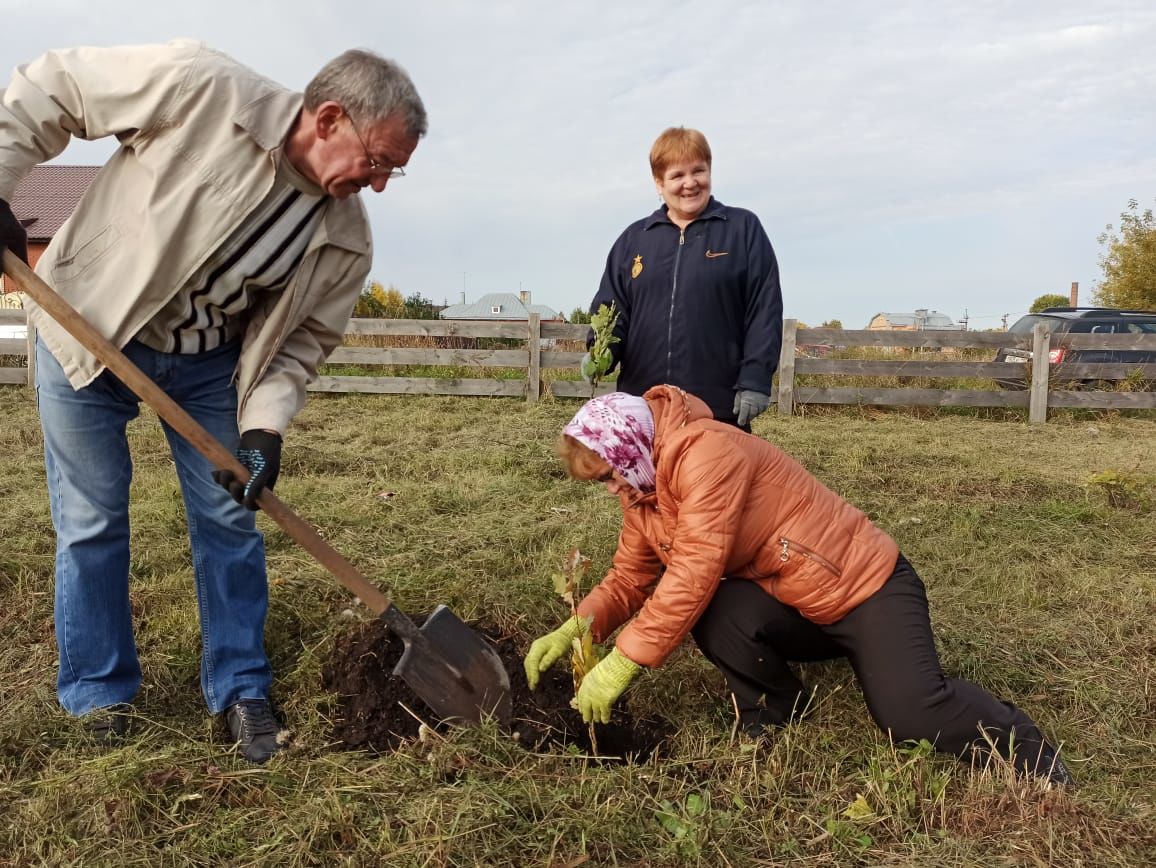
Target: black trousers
{"x":752,"y":638}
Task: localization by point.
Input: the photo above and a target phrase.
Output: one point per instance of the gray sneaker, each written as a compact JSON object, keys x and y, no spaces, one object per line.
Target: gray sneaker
{"x":254,"y":728}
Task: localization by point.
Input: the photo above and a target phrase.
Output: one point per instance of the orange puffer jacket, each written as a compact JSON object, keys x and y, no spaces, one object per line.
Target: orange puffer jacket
{"x":729,"y":506}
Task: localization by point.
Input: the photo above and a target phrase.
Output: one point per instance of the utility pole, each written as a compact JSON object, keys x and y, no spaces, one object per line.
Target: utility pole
{"x":1004,"y":318}
{"x":964,"y":320}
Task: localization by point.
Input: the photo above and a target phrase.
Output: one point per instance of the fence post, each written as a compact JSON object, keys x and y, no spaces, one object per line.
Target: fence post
{"x":787,"y":368}
{"x":534,"y":374}
{"x":1038,"y":402}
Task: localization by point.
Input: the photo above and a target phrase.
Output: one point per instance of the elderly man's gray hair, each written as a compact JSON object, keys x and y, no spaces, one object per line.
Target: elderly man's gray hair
{"x":370,"y":88}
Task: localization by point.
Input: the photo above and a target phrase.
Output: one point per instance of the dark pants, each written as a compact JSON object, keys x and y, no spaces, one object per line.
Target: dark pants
{"x":752,"y":637}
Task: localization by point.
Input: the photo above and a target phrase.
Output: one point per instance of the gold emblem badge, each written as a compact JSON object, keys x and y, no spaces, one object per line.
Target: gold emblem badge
{"x":636,"y":269}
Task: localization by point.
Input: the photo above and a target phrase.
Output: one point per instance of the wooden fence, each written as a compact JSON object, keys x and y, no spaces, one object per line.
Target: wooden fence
{"x":533,"y":353}
{"x":1038,"y":397}
{"x":14,"y":347}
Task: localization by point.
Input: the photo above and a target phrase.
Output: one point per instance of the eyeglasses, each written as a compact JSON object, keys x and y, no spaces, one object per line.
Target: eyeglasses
{"x":376,"y":168}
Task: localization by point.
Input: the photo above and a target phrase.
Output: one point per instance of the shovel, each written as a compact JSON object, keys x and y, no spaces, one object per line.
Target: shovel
{"x":453,"y":669}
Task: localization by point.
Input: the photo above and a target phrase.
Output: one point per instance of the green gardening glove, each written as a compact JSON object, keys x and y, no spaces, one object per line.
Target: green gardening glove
{"x":595,"y":367}
{"x":603,"y":685}
{"x":546,"y":650}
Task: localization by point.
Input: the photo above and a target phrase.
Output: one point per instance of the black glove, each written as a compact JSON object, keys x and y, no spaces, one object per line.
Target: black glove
{"x":12,"y":234}
{"x":260,"y":452}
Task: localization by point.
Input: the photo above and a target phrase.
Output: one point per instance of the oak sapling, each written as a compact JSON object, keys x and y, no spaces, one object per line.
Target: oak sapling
{"x":603,"y":323}
{"x":584,"y":654}
{"x":568,"y":585}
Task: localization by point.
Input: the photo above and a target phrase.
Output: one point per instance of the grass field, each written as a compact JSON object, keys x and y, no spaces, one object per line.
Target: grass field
{"x":1042,"y":588}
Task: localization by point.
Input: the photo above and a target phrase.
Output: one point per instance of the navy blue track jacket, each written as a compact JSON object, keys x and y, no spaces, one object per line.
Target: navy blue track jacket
{"x":699,"y":308}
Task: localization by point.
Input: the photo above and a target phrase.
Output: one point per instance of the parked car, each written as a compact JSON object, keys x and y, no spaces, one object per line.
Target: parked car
{"x":1078,"y":320}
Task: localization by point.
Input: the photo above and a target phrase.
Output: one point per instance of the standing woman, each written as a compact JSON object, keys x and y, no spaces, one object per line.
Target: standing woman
{"x":696,"y":286}
{"x":728,"y":538}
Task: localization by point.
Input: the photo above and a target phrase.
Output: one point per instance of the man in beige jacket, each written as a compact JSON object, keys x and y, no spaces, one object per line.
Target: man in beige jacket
{"x":222,"y":247}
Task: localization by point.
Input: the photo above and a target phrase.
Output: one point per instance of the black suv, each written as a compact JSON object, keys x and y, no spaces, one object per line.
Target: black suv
{"x":1085,"y":320}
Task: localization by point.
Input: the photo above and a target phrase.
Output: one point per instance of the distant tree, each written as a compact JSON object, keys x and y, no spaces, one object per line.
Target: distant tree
{"x":579,"y":315}
{"x":417,"y":306}
{"x":1129,"y":261}
{"x":832,"y":324}
{"x":1051,"y":299}
{"x":393,"y":303}
{"x":369,"y":303}
{"x":378,"y":302}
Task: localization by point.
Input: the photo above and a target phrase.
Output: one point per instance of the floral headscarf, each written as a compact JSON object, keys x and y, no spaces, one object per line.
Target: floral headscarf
{"x":619,"y":428}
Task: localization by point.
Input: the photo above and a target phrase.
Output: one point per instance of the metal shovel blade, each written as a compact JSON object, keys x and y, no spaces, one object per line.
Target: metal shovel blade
{"x":454,"y":670}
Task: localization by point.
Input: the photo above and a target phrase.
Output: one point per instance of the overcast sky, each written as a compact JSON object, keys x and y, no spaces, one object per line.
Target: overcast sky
{"x":900,"y":156}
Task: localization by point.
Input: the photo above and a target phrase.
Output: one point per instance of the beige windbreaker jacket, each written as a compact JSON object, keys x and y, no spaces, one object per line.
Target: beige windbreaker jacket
{"x":198,"y":137}
{"x":728,"y":506}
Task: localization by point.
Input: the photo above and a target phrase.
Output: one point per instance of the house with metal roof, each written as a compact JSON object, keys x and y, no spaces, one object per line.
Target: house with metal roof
{"x":918,"y":321}
{"x":42,"y":202}
{"x":500,"y":306}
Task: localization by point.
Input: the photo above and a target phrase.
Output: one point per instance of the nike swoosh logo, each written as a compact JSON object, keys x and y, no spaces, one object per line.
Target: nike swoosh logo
{"x":710,"y":255}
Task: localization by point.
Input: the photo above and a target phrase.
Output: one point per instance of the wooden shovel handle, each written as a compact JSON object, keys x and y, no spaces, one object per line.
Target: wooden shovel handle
{"x":168,"y":409}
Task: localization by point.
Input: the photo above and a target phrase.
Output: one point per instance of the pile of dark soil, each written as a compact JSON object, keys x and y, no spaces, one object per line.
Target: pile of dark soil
{"x":372,"y":716}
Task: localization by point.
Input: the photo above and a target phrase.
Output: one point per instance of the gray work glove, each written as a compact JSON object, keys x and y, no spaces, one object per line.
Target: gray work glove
{"x":749,"y":404}
{"x":12,"y":235}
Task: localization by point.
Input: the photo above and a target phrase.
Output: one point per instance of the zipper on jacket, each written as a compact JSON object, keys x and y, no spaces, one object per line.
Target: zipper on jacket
{"x":673,"y":293}
{"x":809,"y":554}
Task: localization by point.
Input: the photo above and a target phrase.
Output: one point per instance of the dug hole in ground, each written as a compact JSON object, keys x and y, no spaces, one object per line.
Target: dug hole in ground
{"x":373,"y":703}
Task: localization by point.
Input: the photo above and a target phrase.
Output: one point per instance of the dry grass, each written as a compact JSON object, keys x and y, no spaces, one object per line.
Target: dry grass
{"x":1042,"y":590}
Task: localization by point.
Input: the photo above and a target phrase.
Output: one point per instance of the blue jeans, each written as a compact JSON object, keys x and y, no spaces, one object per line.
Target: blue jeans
{"x":89,"y":470}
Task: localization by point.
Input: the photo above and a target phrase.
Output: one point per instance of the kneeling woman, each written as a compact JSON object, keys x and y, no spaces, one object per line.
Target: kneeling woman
{"x":726,"y":537}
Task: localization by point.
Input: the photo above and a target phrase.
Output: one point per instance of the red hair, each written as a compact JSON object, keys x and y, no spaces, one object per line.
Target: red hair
{"x":677,"y":145}
{"x":580,"y":461}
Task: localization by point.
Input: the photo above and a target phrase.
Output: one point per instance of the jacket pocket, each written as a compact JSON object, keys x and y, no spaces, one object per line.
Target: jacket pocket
{"x":789,"y":549}
{"x":807,"y":580}
{"x":90,"y":252}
